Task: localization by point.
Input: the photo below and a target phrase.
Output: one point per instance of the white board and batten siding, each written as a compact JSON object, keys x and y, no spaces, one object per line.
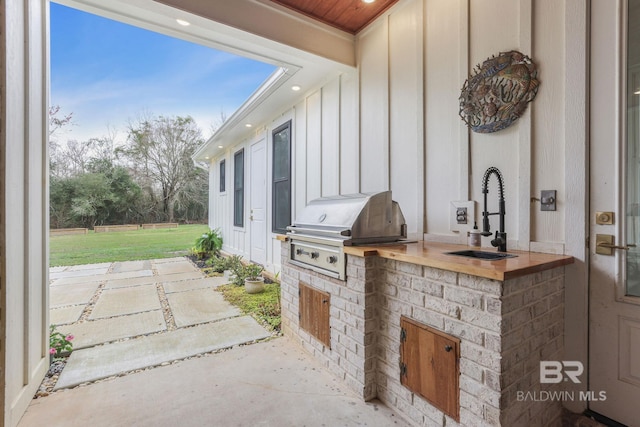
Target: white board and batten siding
{"x":325,"y":158}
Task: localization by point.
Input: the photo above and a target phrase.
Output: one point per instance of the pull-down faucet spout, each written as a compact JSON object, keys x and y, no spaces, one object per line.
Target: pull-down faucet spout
{"x":500,"y":240}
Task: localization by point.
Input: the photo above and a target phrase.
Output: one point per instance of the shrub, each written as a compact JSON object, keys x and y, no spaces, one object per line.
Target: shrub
{"x":209,"y":244}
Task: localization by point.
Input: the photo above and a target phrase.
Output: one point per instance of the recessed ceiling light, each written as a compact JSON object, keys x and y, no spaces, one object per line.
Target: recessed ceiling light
{"x":206,"y":157}
{"x":295,"y":88}
{"x":248,"y":125}
{"x":220,"y":146}
{"x":368,"y":1}
{"x":183,"y":22}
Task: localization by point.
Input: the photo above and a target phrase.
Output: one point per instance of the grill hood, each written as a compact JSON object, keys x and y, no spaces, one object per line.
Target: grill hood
{"x":355,"y":219}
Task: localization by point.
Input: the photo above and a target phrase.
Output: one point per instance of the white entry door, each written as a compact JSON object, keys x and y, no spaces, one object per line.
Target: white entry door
{"x":614,"y":312}
{"x":258,"y":201}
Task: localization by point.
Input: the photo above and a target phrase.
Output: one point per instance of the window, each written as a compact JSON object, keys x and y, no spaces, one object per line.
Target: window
{"x":223,"y":172}
{"x":281,"y":193}
{"x":238,"y":189}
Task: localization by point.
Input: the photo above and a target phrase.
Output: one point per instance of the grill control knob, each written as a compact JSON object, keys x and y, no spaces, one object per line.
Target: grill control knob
{"x":332,"y":259}
{"x":299,"y":251}
{"x":314,"y":255}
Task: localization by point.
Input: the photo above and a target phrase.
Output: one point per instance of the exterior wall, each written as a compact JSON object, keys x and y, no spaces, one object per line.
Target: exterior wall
{"x":24,"y":225}
{"x":505,"y":328}
{"x":325,"y":158}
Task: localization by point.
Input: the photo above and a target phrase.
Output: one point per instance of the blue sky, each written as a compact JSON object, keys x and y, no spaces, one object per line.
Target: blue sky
{"x":106,"y":73}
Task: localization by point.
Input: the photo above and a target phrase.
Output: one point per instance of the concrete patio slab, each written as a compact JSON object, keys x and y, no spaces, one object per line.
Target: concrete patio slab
{"x":182,"y":276}
{"x":89,"y":266}
{"x":269,"y":384}
{"x":127,"y":266}
{"x":78,"y":273}
{"x":166,"y":260}
{"x":175,"y":267}
{"x":58,"y":269}
{"x":199,"y":306}
{"x":100,"y":331}
{"x":189,"y":285}
{"x":101,"y":277}
{"x":95,"y":363}
{"x":71,"y":295}
{"x":60,"y":316}
{"x":116,"y":302}
{"x":132,"y":281}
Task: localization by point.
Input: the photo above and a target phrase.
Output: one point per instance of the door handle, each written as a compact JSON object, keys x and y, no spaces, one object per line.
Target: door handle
{"x":605,"y":244}
{"x":251,"y":217}
{"x":609,"y":246}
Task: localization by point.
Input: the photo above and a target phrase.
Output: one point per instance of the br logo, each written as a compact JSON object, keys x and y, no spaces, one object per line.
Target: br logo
{"x":553,"y":372}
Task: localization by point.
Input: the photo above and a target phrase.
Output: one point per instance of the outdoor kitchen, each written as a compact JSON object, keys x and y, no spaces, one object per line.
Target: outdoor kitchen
{"x":441,"y":338}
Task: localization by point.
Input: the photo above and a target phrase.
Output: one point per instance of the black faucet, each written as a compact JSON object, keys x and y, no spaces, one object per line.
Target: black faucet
{"x":500,"y":240}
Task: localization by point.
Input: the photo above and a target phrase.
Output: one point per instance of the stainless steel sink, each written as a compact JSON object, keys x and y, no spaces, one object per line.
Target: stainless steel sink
{"x":482,"y":254}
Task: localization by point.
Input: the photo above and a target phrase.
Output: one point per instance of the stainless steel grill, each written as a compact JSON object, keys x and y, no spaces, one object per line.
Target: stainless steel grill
{"x":326,"y":225}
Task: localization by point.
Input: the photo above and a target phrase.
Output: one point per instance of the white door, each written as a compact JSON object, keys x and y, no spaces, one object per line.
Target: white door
{"x":614,"y":312}
{"x":258,"y":201}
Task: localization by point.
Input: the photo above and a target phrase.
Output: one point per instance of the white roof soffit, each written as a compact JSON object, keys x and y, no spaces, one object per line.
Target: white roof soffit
{"x":233,"y":127}
{"x":254,"y":29}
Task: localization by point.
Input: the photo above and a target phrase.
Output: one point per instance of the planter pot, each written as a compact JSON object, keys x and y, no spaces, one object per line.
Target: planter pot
{"x":254,"y":286}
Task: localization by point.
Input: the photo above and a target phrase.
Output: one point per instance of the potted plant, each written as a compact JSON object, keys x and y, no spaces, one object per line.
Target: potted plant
{"x":253,"y":281}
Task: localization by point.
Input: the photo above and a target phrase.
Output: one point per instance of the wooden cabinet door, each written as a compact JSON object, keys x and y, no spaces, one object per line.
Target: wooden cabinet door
{"x":429,"y":365}
{"x":314,"y":313}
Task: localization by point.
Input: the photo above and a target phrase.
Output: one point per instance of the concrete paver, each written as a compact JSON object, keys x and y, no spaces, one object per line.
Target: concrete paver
{"x":174,"y":267}
{"x":115,"y":302}
{"x":60,"y":316}
{"x":89,"y":266}
{"x":165,"y":260}
{"x":182,"y":276}
{"x":199,"y":306}
{"x":78,"y":273}
{"x":100,"y":331}
{"x":71,"y":295}
{"x":127,"y":266}
{"x":269,"y":384}
{"x":94,"y":363}
{"x":188,"y":285}
{"x":101,"y":277}
{"x":131,"y":281}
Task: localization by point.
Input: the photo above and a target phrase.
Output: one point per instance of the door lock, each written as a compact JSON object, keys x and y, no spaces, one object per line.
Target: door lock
{"x":605,"y":218}
{"x":605,"y":244}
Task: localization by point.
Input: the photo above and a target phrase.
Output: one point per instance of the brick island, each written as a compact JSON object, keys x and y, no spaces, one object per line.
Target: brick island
{"x":442,"y":339}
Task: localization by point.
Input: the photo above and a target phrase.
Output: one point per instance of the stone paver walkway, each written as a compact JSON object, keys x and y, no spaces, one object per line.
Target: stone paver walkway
{"x":131,"y":315}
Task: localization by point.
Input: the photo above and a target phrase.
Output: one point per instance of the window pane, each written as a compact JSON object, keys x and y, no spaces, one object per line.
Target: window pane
{"x":281,"y":184}
{"x":238,"y":189}
{"x":282,"y":205}
{"x":222,"y":175}
{"x":281,"y":147}
{"x":633,"y":149}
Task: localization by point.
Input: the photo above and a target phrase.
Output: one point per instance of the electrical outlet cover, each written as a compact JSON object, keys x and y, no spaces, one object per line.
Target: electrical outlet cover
{"x":471,"y":215}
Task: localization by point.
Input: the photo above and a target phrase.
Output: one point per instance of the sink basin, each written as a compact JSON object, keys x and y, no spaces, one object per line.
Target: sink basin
{"x":482,"y":254}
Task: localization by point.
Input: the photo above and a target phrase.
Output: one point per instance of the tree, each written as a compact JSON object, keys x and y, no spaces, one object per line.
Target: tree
{"x":160,"y":148}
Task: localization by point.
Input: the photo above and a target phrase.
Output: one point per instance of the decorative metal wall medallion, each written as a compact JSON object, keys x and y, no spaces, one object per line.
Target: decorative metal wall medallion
{"x":499,"y":91}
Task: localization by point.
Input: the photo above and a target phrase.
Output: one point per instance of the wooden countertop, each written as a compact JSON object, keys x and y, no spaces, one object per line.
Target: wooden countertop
{"x":431,"y":254}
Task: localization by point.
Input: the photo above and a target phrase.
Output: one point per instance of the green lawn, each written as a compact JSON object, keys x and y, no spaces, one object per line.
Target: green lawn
{"x":123,"y":245}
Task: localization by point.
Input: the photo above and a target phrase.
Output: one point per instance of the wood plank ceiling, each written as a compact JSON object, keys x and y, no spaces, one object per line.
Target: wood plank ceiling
{"x":348,"y":15}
